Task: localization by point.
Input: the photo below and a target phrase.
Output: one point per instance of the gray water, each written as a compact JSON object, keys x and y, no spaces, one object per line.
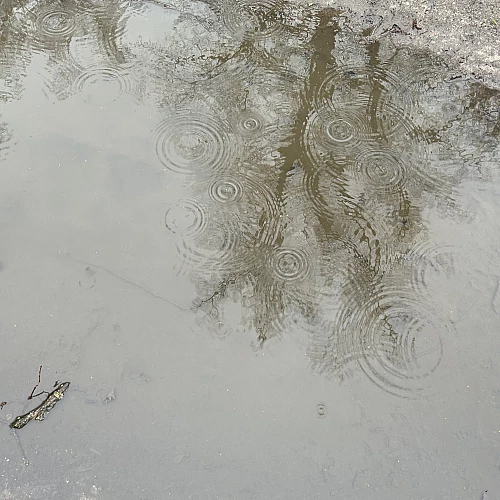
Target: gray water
{"x":262,"y":247}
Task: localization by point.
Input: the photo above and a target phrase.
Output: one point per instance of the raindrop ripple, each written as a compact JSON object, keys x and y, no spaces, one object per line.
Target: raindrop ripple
{"x":382,"y":169}
{"x":253,"y":19}
{"x":193,"y":143}
{"x":336,"y":134}
{"x":213,"y":250}
{"x":249,"y":124}
{"x":90,"y":83}
{"x":396,"y":339}
{"x":186,"y":218}
{"x":225,"y":191}
{"x":56,"y":24}
{"x":289,"y":264}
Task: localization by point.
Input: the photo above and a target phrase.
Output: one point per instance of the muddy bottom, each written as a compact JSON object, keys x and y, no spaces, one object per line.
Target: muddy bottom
{"x":261,"y":244}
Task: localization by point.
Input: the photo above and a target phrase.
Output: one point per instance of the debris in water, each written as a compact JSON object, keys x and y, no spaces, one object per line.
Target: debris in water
{"x":37,"y":384}
{"x":110,"y":397}
{"x":41,"y":411}
{"x":2,"y":404}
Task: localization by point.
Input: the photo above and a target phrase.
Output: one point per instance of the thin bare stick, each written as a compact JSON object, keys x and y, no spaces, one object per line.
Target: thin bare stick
{"x":38,"y":383}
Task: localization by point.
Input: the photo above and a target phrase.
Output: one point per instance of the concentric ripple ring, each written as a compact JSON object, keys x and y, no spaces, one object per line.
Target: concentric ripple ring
{"x":249,"y":124}
{"x":207,"y":251}
{"x":253,"y":19}
{"x":56,"y":23}
{"x":186,"y":218}
{"x":91,"y":84}
{"x":336,"y":133}
{"x":192,"y":142}
{"x":403,"y":348}
{"x":383,"y":169}
{"x":396,"y":338}
{"x":289,"y":264}
{"x":225,"y":191}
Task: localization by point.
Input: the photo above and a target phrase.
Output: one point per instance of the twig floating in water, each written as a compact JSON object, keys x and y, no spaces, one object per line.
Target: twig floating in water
{"x":40,"y":411}
{"x":38,"y":383}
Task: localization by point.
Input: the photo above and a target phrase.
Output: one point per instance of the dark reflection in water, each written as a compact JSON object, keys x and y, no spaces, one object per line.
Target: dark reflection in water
{"x":309,"y":154}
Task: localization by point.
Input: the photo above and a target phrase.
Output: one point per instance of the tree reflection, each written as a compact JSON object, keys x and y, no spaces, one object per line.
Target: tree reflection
{"x":311,"y":153}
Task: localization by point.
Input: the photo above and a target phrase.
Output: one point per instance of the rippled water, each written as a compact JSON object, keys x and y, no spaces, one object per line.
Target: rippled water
{"x":298,"y":167}
{"x":285,"y":200}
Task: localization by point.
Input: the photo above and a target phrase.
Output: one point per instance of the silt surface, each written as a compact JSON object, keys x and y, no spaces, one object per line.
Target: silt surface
{"x":260,"y":240}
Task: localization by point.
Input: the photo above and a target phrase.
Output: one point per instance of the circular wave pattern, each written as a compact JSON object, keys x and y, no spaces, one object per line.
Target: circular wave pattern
{"x":294,"y":285}
{"x":211,"y":250}
{"x":289,"y":264}
{"x":253,"y":19}
{"x":418,"y":74}
{"x":214,"y":323}
{"x":225,"y":191}
{"x":321,"y":410}
{"x":396,"y":340}
{"x":56,"y":24}
{"x":428,"y":264}
{"x":193,"y":142}
{"x":382,"y":169}
{"x":335,"y":134}
{"x":300,"y":307}
{"x":249,"y":124}
{"x":392,"y":123}
{"x":403,"y":349}
{"x":219,"y":330}
{"x":338,"y":130}
{"x":356,"y":83}
{"x":377,"y":91}
{"x":102,"y":85}
{"x":186,"y":218}
{"x":246,"y":200}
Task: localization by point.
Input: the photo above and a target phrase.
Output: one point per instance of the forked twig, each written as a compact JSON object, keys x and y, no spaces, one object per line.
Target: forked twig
{"x":40,"y":411}
{"x":37,"y":384}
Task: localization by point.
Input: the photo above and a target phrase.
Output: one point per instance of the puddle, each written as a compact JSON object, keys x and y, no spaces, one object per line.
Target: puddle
{"x":274,"y":178}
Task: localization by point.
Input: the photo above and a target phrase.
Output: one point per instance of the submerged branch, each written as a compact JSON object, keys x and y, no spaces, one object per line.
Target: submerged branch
{"x":41,"y":411}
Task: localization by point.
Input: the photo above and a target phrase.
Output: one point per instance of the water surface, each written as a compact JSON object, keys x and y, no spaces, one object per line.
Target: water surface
{"x":262,"y":246}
